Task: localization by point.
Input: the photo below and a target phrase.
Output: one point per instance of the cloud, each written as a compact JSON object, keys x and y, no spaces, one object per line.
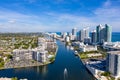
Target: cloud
{"x":8,"y":14}
{"x":12,"y":21}
{"x":53,"y":21}
{"x":1,"y":24}
{"x":107,"y":3}
{"x":107,"y":12}
{"x":108,"y":9}
{"x":68,"y":21}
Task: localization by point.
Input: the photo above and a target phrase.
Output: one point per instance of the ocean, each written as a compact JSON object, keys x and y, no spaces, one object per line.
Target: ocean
{"x":115,"y":36}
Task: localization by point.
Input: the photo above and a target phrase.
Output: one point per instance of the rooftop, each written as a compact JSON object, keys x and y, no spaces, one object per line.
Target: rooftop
{"x":114,"y":52}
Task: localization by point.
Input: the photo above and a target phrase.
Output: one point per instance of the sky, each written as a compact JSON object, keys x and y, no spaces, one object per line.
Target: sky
{"x":58,"y":15}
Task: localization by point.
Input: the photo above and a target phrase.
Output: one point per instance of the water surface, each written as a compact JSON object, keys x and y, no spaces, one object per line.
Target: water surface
{"x":55,"y":71}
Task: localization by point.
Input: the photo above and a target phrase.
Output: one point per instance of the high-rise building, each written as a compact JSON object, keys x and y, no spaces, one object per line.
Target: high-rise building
{"x":113,"y":63}
{"x":67,"y":39}
{"x":87,"y":32}
{"x":93,"y":37}
{"x":87,"y":40}
{"x":81,"y":35}
{"x":103,"y":33}
{"x":74,"y":34}
{"x":84,"y":33}
{"x":71,"y":37}
{"x":108,"y":33}
{"x":74,"y":31}
{"x":98,"y":29}
{"x":40,"y":56}
{"x":64,"y":35}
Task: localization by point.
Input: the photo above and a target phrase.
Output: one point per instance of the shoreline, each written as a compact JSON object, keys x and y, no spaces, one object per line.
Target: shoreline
{"x":40,"y":64}
{"x":84,"y":63}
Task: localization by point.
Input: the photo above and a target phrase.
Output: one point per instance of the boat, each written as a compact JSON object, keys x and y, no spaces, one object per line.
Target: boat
{"x":76,"y":53}
{"x":71,"y":48}
{"x":65,"y":71}
{"x":65,"y":74}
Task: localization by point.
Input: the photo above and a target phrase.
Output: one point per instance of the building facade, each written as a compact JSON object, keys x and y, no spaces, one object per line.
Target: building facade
{"x":113,"y":63}
{"x":87,"y":40}
{"x":93,"y":37}
{"x":84,"y":33}
{"x":67,"y":39}
{"x":74,"y":34}
{"x":98,"y":29}
{"x":22,"y":54}
{"x":74,"y":31}
{"x":108,"y":33}
{"x":87,"y":48}
{"x":64,"y":35}
{"x":40,"y":56}
{"x":103,"y":33}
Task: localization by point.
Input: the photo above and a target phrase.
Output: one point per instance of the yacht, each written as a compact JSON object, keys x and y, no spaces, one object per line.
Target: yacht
{"x":76,"y":53}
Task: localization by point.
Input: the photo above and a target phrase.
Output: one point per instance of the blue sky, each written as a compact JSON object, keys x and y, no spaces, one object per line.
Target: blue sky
{"x":57,"y":15}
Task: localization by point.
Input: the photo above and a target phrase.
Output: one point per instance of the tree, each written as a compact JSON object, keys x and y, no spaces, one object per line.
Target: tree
{"x":106,"y":74}
{"x":14,"y":78}
{"x":1,"y":62}
{"x":9,"y":56}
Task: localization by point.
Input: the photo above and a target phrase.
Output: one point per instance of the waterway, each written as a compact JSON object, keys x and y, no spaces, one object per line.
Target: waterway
{"x":65,"y":61}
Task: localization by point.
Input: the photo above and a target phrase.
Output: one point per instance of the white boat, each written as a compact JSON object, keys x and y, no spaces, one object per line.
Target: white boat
{"x":71,"y":48}
{"x":65,"y":74}
{"x":76,"y":53}
{"x":65,"y":71}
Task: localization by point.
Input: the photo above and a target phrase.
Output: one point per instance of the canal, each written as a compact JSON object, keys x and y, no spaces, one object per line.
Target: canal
{"x":66,"y":67}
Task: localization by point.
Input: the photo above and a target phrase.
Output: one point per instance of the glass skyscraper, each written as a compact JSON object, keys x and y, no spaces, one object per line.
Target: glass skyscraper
{"x":74,"y":31}
{"x":103,"y":33}
{"x":98,"y":29}
{"x":93,"y":36}
{"x":108,"y":33}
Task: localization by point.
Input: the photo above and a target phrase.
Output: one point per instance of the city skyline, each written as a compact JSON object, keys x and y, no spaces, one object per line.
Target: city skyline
{"x":59,"y":15}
